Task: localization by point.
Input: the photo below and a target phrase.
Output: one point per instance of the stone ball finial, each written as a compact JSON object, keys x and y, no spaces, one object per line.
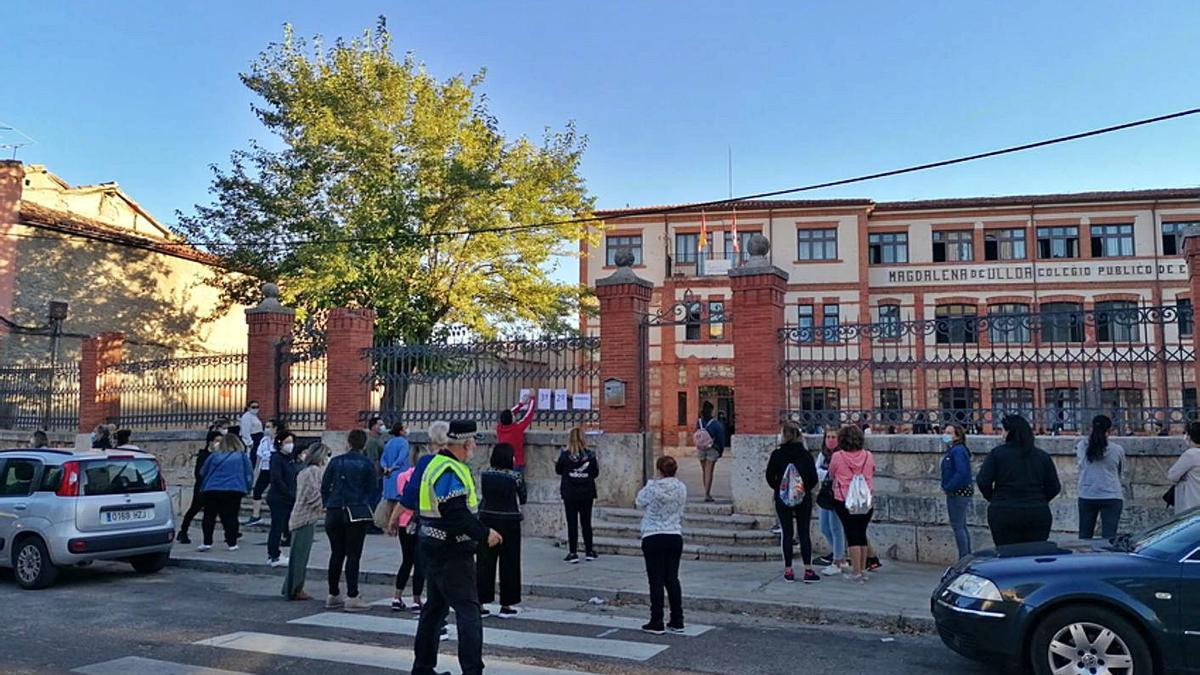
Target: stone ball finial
{"x":270,"y":290}
{"x":758,"y":246}
{"x":623,"y":258}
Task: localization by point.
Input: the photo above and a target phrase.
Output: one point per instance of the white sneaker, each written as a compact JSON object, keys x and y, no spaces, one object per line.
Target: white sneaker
{"x":204,"y":548}
{"x":233,"y":548}
{"x":355,"y":604}
{"x":279,"y":562}
{"x":830,"y":571}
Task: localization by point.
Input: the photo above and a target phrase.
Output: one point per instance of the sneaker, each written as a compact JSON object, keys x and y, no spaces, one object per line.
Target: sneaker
{"x":676,"y":629}
{"x":789,"y":576}
{"x":415,"y":607}
{"x":873,"y":564}
{"x":398,"y":605}
{"x":334,"y":602}
{"x":654,"y":629}
{"x":279,"y":562}
{"x":183,"y":538}
{"x":509,"y":612}
{"x":484,"y":612}
{"x":204,"y":548}
{"x":232,"y":548}
{"x":571,"y":558}
{"x":824,"y":560}
{"x":707,"y":500}
{"x":355,"y":604}
{"x":445,"y":634}
{"x":252,"y":521}
{"x":831,"y":570}
{"x":591,"y":555}
{"x":810,"y":577}
{"x":777,"y":530}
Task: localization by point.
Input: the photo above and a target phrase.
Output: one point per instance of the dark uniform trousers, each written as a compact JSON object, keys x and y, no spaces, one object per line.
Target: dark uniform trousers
{"x":449,"y":582}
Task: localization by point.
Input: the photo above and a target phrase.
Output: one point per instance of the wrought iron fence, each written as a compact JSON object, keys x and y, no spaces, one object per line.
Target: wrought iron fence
{"x":300,"y":383}
{"x":1057,"y":367}
{"x":178,"y":393}
{"x":40,"y":398}
{"x":418,"y":384}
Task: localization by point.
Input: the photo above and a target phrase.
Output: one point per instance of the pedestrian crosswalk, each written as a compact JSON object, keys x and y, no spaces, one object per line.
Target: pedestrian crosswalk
{"x":554,"y":632}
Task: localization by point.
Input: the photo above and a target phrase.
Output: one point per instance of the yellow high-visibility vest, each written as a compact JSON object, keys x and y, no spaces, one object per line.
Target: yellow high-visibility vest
{"x":437,"y":466}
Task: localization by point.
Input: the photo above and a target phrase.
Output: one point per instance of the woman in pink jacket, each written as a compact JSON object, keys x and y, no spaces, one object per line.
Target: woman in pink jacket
{"x":852,"y":459}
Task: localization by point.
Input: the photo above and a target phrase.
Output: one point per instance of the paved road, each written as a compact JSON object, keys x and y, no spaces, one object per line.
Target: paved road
{"x":106,"y":620}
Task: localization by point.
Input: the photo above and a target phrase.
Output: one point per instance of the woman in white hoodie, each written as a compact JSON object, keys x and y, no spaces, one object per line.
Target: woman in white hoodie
{"x":663,"y":501}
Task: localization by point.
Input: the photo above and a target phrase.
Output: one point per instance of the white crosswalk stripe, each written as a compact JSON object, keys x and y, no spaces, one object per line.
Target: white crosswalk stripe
{"x":597,"y":619}
{"x":136,"y":665}
{"x":622,"y":649}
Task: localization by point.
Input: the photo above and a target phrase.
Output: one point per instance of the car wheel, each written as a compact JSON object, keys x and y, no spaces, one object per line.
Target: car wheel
{"x":32,"y":565}
{"x":150,"y":563}
{"x":1089,"y":640}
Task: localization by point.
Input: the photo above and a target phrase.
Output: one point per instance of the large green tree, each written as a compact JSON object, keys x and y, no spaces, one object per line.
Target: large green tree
{"x":383,"y":188}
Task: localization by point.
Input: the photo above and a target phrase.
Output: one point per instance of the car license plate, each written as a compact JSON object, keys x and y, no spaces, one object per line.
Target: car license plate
{"x":128,"y":516}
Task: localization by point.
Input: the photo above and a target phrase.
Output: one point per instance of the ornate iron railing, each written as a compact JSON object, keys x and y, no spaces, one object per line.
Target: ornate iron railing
{"x":301,"y":380}
{"x":40,"y":398}
{"x":178,"y":393}
{"x":477,"y":379}
{"x":1056,"y":368}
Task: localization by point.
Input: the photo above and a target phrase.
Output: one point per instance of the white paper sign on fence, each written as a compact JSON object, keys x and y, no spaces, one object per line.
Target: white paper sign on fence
{"x":545,"y":397}
{"x":560,"y":399}
{"x":525,"y":395}
{"x":581,"y":402}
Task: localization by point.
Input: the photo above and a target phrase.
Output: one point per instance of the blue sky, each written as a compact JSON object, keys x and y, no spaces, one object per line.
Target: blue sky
{"x":146,"y":92}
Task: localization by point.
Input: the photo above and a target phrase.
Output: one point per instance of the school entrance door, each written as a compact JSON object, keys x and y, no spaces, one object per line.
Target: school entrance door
{"x":721,"y":398}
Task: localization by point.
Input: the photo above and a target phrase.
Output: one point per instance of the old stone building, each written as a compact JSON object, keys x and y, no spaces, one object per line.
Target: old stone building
{"x":117,"y":266}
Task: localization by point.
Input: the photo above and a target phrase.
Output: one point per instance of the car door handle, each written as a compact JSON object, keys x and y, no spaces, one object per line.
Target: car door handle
{"x":20,"y":507}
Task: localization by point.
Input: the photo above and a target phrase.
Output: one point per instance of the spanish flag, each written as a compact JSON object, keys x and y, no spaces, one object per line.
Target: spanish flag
{"x":737,"y":245}
{"x":703,"y":241}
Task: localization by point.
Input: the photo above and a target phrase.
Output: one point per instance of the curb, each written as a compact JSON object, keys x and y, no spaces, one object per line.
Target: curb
{"x":776,"y":610}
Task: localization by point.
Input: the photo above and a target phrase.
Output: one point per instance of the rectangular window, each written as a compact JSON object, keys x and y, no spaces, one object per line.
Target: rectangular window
{"x":1011,"y":401}
{"x":1117,"y":321}
{"x":959,"y":405}
{"x":16,"y":477}
{"x":804,"y":323}
{"x":692,"y":328}
{"x":1124,"y":405}
{"x":816,"y":244}
{"x":956,"y":246}
{"x":1009,"y":323}
{"x":1189,"y":404}
{"x":1007,"y":244}
{"x":1184,"y":308}
{"x":1058,"y":242}
{"x":819,"y":406}
{"x":615,"y":244}
{"x":1172,"y":237}
{"x":891,"y":403}
{"x":686,"y":248}
{"x":1112,"y":241}
{"x":830,"y":320}
{"x":1062,"y":322}
{"x":120,"y":476}
{"x":889,"y":321}
{"x":955,"y":324}
{"x":716,"y":319}
{"x":888,"y":248}
{"x":681,"y":411}
{"x":742,"y":255}
{"x":1062,"y":409}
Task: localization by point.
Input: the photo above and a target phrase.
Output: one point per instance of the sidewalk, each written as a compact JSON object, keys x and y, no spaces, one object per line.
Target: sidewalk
{"x":897,"y":597}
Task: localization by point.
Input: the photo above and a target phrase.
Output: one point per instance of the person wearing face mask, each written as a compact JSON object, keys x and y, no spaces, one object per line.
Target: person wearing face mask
{"x":957,"y":484}
{"x":281,"y":496}
{"x":831,"y":528}
{"x":250,"y":430}
{"x":376,"y":441}
{"x":306,"y":513}
{"x":266,"y":448}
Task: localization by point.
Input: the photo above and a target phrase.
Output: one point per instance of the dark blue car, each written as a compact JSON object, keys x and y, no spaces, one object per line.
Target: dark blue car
{"x":1128,"y":608}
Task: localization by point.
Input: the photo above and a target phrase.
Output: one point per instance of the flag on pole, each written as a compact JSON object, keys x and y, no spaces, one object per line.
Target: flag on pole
{"x":737,"y":245}
{"x":702,"y":243}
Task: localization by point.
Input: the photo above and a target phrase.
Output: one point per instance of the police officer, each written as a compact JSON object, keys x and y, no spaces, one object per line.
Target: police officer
{"x":448,"y":536}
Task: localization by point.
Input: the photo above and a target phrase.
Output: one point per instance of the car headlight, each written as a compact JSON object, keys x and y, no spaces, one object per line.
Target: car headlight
{"x":974,"y":586}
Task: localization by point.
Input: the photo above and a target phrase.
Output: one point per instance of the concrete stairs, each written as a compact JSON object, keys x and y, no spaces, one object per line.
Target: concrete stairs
{"x":711,"y":531}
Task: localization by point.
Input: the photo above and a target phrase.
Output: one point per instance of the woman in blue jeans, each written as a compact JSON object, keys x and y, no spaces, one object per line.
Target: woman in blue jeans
{"x":957,"y":484}
{"x":835,"y":563}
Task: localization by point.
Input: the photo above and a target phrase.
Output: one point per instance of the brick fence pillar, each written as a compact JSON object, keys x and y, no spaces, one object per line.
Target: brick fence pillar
{"x":12,"y":175}
{"x":99,"y":397}
{"x":347,"y":387}
{"x":1191,"y":249}
{"x":758,"y":315}
{"x":268,"y":324}
{"x":624,"y":301}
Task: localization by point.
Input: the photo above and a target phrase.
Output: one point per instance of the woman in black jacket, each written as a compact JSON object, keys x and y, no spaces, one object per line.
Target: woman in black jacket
{"x":1019,"y":481}
{"x":503,"y":490}
{"x":794,"y":519}
{"x":281,"y":496}
{"x":578,"y":467}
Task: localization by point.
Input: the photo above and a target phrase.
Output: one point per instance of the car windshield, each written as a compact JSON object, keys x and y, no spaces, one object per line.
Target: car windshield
{"x":120,"y":476}
{"x":1169,"y":539}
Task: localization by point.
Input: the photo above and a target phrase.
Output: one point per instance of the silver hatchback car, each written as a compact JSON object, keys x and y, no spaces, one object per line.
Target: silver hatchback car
{"x":65,"y":507}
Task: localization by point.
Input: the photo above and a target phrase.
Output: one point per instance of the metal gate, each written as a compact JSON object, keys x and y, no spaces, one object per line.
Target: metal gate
{"x":694,"y":314}
{"x":300,"y":379}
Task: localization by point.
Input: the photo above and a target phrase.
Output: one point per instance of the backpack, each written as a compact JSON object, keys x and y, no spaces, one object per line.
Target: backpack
{"x":791,"y":487}
{"x":701,"y":438}
{"x":859,"y":499}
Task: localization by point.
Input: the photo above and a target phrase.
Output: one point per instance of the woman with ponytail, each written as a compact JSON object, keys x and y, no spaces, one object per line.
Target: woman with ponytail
{"x":1100,"y":492}
{"x":1018,"y":480}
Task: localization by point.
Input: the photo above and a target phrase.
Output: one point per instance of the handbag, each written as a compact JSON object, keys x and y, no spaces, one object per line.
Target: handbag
{"x":825,"y":494}
{"x":359,"y":513}
{"x":383,"y":511}
{"x":1169,"y":496}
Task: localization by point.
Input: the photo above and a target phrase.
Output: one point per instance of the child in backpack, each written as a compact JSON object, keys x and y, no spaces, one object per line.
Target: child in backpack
{"x":792,"y":476}
{"x":851,"y":461}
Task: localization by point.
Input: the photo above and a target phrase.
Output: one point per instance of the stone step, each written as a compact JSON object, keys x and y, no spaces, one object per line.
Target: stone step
{"x":692,"y":535}
{"x":715,"y":552}
{"x":691,"y":519}
{"x":722,"y":508}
